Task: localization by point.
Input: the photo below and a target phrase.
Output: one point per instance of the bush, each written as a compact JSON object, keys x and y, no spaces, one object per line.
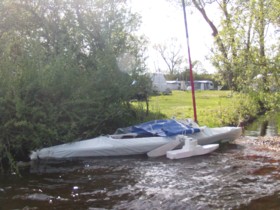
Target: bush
{"x":60,"y":79}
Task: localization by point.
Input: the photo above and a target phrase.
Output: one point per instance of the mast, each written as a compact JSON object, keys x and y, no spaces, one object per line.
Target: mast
{"x":190,"y":61}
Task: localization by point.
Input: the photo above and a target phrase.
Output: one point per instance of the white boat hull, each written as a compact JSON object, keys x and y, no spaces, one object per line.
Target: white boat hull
{"x":114,"y":145}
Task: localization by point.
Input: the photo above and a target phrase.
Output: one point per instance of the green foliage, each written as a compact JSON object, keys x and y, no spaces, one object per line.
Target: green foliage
{"x":60,"y":74}
{"x":243,"y":108}
{"x":244,"y":47}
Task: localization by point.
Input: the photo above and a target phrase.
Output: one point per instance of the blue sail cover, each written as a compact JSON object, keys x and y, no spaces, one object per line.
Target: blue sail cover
{"x":162,"y":128}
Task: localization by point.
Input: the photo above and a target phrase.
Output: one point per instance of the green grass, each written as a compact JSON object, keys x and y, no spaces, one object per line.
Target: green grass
{"x":210,"y":105}
{"x":214,"y":108}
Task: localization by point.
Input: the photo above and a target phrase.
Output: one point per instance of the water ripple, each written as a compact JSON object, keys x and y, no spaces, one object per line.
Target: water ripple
{"x":234,"y":177}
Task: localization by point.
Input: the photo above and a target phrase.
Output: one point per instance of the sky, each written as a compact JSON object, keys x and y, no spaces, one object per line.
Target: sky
{"x":163,"y":20}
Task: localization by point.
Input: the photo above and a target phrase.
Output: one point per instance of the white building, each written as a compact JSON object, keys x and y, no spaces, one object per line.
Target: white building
{"x":201,"y":85}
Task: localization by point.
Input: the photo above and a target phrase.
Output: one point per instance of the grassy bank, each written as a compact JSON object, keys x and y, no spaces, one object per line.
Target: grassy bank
{"x":214,"y":108}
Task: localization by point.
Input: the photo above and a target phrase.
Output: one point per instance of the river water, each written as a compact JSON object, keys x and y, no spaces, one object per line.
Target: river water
{"x":264,"y":126}
{"x":236,"y":176}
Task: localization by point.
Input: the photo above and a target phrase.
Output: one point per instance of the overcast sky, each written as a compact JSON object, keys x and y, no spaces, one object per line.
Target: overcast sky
{"x":162,"y":20}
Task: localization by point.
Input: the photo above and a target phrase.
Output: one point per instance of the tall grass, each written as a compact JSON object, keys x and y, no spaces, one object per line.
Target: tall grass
{"x":214,"y":108}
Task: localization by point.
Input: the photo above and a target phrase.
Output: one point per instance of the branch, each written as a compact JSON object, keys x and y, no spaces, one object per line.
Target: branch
{"x":215,"y":32}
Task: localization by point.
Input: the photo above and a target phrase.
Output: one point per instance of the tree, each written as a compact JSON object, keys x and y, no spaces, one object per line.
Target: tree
{"x":240,"y":35}
{"x":170,"y":52}
{"x":59,"y":73}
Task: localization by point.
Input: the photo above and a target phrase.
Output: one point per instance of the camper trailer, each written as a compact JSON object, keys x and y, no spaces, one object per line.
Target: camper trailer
{"x":201,"y":85}
{"x":174,"y":85}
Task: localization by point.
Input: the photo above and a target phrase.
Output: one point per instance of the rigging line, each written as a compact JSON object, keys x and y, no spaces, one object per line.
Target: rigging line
{"x":190,"y":61}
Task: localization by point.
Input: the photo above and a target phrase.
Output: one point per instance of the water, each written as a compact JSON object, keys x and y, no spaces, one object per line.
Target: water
{"x":236,"y":176}
{"x":263,"y":126}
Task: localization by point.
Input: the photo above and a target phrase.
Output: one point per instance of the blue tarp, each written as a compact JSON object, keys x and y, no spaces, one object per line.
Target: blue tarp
{"x":162,"y":128}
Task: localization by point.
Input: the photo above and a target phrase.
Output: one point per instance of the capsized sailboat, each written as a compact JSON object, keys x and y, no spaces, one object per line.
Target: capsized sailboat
{"x":139,"y":139}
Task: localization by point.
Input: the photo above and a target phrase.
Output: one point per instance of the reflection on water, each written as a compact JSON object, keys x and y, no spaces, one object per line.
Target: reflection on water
{"x":264,"y":126}
{"x":234,"y":177}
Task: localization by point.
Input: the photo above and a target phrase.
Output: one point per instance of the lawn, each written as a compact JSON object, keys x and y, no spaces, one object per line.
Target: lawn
{"x":210,"y":105}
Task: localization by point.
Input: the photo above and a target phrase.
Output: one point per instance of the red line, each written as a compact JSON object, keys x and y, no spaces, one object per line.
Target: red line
{"x":190,"y":62}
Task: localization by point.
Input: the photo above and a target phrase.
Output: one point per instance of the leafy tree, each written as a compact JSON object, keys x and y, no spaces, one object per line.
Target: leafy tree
{"x":60,"y":72}
{"x":238,"y":38}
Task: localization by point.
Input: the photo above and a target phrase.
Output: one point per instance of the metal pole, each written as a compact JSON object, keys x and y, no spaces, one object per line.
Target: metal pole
{"x":190,"y":61}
